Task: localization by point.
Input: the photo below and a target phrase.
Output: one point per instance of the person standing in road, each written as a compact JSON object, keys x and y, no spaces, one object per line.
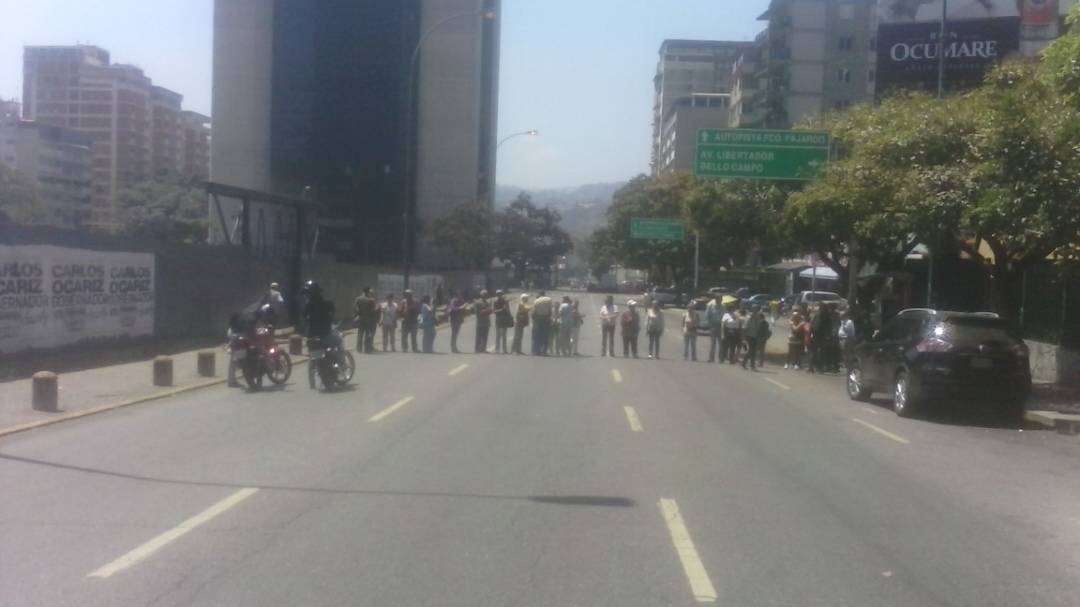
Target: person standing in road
{"x":763,"y":338}
{"x":689,"y":331}
{"x":796,"y":341}
{"x":730,"y":323}
{"x":410,"y":315}
{"x":566,"y":326}
{"x":575,"y":332}
{"x":504,"y":320}
{"x":609,"y":315}
{"x":521,"y":321}
{"x":714,"y":316}
{"x":482,"y":308}
{"x":455,"y":310}
{"x":654,"y":329}
{"x":630,"y":322}
{"x":751,"y":333}
{"x":365,"y":312}
{"x":542,"y":320}
{"x":388,"y":314}
{"x":846,"y":334}
{"x":774,"y":310}
{"x":277,"y":303}
{"x":427,"y":324}
{"x":822,"y":332}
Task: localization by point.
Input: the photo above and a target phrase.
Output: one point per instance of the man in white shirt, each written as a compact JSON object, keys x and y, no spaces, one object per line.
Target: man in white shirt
{"x":731,"y":324}
{"x":609,"y":314}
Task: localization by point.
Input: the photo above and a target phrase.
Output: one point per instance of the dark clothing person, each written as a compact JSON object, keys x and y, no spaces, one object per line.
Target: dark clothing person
{"x":410,"y":320}
{"x":319,"y":317}
{"x":366,"y":313}
{"x":755,"y":328}
{"x":630,"y":321}
{"x":483,"y":323}
{"x":504,"y":321}
{"x":456,"y":313}
{"x":822,"y":335}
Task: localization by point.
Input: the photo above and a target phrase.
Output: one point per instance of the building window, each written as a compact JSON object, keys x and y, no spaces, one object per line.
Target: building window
{"x":845,"y":43}
{"x":843,"y":75}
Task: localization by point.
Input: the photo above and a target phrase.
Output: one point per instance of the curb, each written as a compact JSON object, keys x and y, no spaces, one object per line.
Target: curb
{"x":1064,"y":423}
{"x":122,"y":404}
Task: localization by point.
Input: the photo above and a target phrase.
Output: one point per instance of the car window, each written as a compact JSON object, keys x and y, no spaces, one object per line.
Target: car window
{"x":903,"y":328}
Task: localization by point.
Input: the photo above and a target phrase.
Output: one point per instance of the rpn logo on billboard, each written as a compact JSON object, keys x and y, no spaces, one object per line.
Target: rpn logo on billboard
{"x":978,"y":34}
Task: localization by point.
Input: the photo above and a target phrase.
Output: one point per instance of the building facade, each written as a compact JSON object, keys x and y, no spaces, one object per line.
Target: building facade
{"x":133,"y":126}
{"x":686,"y":68}
{"x":678,"y":136}
{"x":814,"y":56}
{"x":312,"y":99}
{"x":57,"y":159}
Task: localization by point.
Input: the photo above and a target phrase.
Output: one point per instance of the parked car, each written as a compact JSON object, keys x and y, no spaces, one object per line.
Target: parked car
{"x":812,"y":299}
{"x":718,"y":291}
{"x":667,"y":296}
{"x":930,"y":356}
{"x":761,"y":299}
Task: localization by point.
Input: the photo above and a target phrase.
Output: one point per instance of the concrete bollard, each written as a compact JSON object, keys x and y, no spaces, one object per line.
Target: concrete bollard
{"x":46,"y":392}
{"x":163,"y":371}
{"x":296,"y":345}
{"x":207,"y":363}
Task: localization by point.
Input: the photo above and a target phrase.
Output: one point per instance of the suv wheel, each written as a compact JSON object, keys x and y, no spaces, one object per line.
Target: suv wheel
{"x":856,"y":387}
{"x":903,"y":403}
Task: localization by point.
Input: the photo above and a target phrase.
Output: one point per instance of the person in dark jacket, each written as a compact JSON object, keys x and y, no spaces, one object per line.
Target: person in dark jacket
{"x":410,"y":315}
{"x":455,"y":310}
{"x":504,"y":320}
{"x":366,"y":314}
{"x":630,"y":322}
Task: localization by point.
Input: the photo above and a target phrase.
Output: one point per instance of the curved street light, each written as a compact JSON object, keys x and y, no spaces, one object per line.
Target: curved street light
{"x":530,"y":133}
{"x":486,"y":15}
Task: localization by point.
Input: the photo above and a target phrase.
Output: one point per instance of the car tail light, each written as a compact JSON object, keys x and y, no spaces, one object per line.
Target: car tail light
{"x":933,"y":344}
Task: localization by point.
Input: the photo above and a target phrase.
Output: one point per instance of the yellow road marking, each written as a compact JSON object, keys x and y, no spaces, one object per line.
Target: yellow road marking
{"x":458,"y":370}
{"x":777,"y":384}
{"x":173,"y":534}
{"x":881,"y":431}
{"x":632,"y":417}
{"x":387,"y":411}
{"x":700,"y":585}
{"x":615,"y":375}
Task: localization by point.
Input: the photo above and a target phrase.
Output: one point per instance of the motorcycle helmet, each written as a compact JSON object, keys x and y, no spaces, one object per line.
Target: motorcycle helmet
{"x":265,"y":313}
{"x":312,"y":289}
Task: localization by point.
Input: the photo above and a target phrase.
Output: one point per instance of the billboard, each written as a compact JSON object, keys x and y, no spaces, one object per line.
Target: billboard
{"x":907,"y":52}
{"x":923,"y":11}
{"x":52,"y":296}
{"x":1040,"y":12}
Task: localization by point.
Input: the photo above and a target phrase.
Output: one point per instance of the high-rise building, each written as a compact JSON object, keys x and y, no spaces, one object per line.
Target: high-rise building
{"x":194,"y":145}
{"x":685,"y":69}
{"x":685,"y":117}
{"x":312,"y":97}
{"x":814,"y":56}
{"x":134,"y":126}
{"x":57,"y":159}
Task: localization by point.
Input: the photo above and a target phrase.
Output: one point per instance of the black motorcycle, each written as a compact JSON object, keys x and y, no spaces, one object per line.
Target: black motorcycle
{"x":332,"y":364}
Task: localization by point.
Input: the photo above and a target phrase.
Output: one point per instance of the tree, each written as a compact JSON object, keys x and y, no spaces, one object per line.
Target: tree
{"x":645,"y":197}
{"x":601,"y":252}
{"x":19,"y":199}
{"x":469,"y":233}
{"x":738,"y":221}
{"x":530,"y":237}
{"x":166,"y":211}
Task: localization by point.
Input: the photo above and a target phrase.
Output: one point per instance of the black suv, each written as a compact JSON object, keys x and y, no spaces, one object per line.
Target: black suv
{"x":922,"y":356}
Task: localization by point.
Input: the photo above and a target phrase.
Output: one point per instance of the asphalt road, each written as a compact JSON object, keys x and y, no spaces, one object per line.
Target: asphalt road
{"x":501,"y":480}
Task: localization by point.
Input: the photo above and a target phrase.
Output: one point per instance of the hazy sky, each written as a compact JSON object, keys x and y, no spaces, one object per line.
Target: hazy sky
{"x":579,"y":71}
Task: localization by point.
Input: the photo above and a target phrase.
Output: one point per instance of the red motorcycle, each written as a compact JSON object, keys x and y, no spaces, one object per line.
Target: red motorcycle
{"x":259,"y":356}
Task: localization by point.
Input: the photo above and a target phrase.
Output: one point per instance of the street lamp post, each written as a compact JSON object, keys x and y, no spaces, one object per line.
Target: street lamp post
{"x":410,"y":189}
{"x":530,"y":133}
{"x":941,"y":49}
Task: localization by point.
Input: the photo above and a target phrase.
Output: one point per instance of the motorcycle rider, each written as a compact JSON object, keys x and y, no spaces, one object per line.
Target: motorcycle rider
{"x":318,"y":315}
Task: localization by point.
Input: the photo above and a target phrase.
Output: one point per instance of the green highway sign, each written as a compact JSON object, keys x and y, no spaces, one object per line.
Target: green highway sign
{"x":657,"y":229}
{"x":761,"y":154}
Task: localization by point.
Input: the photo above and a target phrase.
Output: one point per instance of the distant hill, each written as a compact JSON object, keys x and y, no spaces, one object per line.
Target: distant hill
{"x":582,"y":208}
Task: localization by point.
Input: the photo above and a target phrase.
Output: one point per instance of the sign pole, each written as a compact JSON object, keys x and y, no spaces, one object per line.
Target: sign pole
{"x":941,"y":50}
{"x":697,"y":260}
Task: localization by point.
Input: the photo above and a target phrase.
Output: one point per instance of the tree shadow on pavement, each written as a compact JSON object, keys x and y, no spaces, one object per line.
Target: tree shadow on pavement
{"x":561,"y":500}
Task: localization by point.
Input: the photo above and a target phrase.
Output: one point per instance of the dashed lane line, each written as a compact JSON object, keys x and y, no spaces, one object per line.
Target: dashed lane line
{"x":700,"y":585}
{"x":881,"y":431}
{"x":777,"y":384}
{"x":177,"y":532}
{"x":457,"y":370}
{"x":616,"y":376}
{"x":381,"y":415}
{"x":633,"y":419}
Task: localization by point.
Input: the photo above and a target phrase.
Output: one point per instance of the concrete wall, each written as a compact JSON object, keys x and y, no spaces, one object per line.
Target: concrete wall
{"x":243,"y":53}
{"x":1055,"y":364}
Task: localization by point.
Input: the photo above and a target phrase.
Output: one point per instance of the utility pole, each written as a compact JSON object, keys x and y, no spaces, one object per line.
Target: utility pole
{"x":941,"y":49}
{"x":697,"y":260}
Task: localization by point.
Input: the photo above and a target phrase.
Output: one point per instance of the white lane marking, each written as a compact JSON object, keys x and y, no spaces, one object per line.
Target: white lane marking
{"x":870,"y":410}
{"x":633,"y":419}
{"x":700,"y":585}
{"x":881,"y":431}
{"x":777,"y":384}
{"x":387,"y":411}
{"x":457,"y":370}
{"x":173,"y":534}
{"x":616,"y":376}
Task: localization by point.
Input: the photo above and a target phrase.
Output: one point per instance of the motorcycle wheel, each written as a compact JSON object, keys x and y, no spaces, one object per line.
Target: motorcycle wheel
{"x":279,"y":368}
{"x":346,"y":368}
{"x":327,"y":373}
{"x":252,"y":373}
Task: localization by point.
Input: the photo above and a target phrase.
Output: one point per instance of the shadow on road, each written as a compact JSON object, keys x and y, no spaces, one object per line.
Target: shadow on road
{"x":561,"y":500}
{"x":951,"y":416}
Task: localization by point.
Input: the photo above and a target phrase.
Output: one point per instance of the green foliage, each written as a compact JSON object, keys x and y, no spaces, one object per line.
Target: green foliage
{"x":19,"y":200}
{"x":468,"y":232}
{"x":1061,"y":63}
{"x":645,"y":197}
{"x":166,"y":211}
{"x":530,"y":237}
{"x":739,"y":221}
